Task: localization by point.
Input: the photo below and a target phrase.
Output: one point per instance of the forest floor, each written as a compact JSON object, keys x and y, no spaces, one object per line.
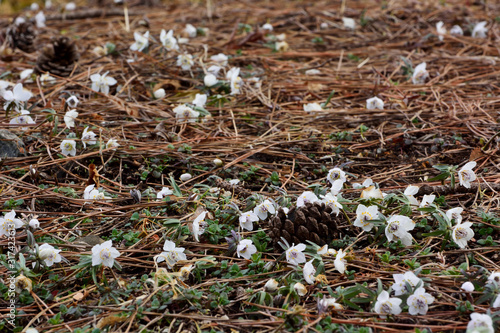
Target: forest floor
{"x":263,"y":137}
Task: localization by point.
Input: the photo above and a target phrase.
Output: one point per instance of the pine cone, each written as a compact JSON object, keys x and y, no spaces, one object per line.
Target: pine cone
{"x":58,"y":58}
{"x":312,"y":222}
{"x":21,"y":36}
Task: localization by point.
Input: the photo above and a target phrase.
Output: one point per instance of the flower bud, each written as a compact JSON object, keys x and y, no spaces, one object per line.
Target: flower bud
{"x":185,"y":177}
{"x":218,"y":162}
{"x":271,"y":285}
{"x":159,"y":94}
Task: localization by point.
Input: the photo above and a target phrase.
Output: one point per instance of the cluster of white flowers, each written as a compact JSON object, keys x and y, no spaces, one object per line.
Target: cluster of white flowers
{"x":418,"y":302}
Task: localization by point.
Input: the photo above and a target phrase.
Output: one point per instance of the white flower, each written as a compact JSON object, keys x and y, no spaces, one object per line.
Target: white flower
{"x":374,"y":103}
{"x":309,"y":272}
{"x":200,"y":100}
{"x":164,"y":191}
{"x":271,"y":285}
{"x":300,"y":289}
{"x":16,"y":97}
{"x":159,"y":93}
{"x":199,"y":225}
{"x":419,"y":302}
{"x":456,"y":30}
{"x":220,"y":59}
{"x":372,"y":192}
{"x":34,"y":6}
{"x":267,"y":26}
{"x":246,"y":220}
{"x":23,"y":119}
{"x":349,"y":23}
{"x":184,"y":113}
{"x":280,"y":37}
{"x":462,"y":233}
{"x":112,"y":143}
{"x":88,"y":137}
{"x":102,"y":82}
{"x":306,"y":197}
{"x":69,"y":118}
{"x":427,"y":199}
{"x":496,"y":303}
{"x":185,"y":177}
{"x":48,"y":4}
{"x":398,"y":227}
{"x":480,"y":323}
{"x":364,"y":215}
{"x":336,"y":174}
{"x":294,"y":254}
{"x":339,"y":261}
{"x":245,"y":249}
{"x":90,"y":193}
{"x":455,"y":213}
{"x":214,"y":69}
{"x":40,"y":20}
{"x":480,"y":30}
{"x":420,"y":74}
{"x":312,"y":107}
{"x":8,"y":223}
{"x":210,"y":80}
{"x":386,"y":305}
{"x":185,"y":61}
{"x":322,"y":250}
{"x":46,"y":78}
{"x":104,"y":254}
{"x":68,"y":147}
{"x":235,"y":82}
{"x":467,"y":287}
{"x":31,"y":330}
{"x":367,"y":183}
{"x":494,"y":277}
{"x":26,"y":74}
{"x":49,"y":254}
{"x":168,"y":40}
{"x":466,"y":175}
{"x":264,"y":208}
{"x":19,"y":20}
{"x":190,"y":30}
{"x":330,"y":302}
{"x":34,"y":223}
{"x":70,"y":6}
{"x":313,"y":71}
{"x":331,"y":200}
{"x":234,"y":181}
{"x":141,"y":41}
{"x":337,"y":186}
{"x":399,"y":285}
{"x":441,"y":30}
{"x":409,"y":192}
{"x":281,"y":46}
{"x":171,"y":254}
{"x":72,"y":101}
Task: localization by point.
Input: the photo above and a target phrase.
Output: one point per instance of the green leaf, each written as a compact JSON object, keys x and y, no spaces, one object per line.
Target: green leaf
{"x":442,"y":176}
{"x":175,"y":187}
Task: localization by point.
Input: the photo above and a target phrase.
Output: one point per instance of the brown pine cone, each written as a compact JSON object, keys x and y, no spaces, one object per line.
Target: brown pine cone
{"x":21,"y":36}
{"x":312,"y":222}
{"x":59,"y":57}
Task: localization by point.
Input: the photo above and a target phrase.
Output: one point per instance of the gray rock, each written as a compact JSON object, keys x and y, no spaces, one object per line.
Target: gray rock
{"x":10,"y":144}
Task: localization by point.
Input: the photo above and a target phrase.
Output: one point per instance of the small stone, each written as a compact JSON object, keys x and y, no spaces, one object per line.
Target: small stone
{"x":10,"y":144}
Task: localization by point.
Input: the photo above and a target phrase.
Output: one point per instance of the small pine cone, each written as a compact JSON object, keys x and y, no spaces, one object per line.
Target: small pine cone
{"x":59,"y":57}
{"x":22,"y":36}
{"x":312,"y":222}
